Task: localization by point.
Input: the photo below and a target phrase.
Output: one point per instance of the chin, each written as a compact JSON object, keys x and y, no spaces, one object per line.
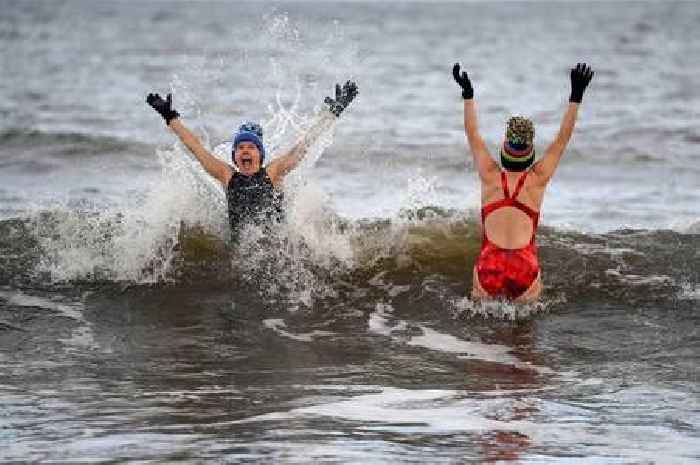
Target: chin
{"x":248,"y":170}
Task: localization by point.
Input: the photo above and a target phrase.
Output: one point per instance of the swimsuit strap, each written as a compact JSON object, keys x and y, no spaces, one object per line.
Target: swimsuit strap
{"x":504,"y":183}
{"x":509,"y":201}
{"x":518,"y":186}
{"x":521,"y":181}
{"x":533,"y":214}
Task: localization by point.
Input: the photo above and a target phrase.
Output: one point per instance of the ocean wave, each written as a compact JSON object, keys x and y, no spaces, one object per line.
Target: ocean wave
{"x":23,"y":146}
{"x":30,"y":137}
{"x":422,"y":255}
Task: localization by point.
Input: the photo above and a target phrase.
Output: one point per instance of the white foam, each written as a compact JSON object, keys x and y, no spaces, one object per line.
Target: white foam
{"x":501,"y":309}
{"x":639,"y":280}
{"x":149,"y":445}
{"x":689,"y":291}
{"x":20,"y":299}
{"x":441,"y":342}
{"x":591,"y":249}
{"x":380,"y":322}
{"x":589,"y":429}
{"x":130,"y":241}
{"x":278,"y":325}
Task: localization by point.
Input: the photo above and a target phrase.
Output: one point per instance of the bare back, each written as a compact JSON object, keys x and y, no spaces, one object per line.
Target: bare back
{"x":508,"y":227}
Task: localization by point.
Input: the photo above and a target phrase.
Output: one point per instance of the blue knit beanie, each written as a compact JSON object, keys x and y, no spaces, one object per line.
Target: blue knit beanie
{"x":250,"y":132}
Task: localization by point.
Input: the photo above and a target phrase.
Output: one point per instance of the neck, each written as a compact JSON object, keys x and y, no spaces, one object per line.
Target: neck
{"x":249,"y":172}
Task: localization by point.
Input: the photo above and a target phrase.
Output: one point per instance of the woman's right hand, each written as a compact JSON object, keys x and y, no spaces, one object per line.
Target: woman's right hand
{"x":163,"y":107}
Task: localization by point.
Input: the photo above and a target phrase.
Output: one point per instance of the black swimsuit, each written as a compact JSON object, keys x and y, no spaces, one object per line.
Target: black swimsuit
{"x":253,"y":200}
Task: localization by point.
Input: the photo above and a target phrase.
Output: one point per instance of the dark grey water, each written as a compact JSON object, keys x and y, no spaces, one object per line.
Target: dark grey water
{"x":130,"y":332}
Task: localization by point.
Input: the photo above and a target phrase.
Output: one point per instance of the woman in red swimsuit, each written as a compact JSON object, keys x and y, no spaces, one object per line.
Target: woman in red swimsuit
{"x":507,"y":266}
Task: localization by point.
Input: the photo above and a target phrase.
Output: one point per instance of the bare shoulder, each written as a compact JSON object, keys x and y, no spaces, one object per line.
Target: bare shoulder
{"x":491,"y":175}
{"x":534,"y":189}
{"x":538,"y":175}
{"x":274,"y":171}
{"x":226,"y":175}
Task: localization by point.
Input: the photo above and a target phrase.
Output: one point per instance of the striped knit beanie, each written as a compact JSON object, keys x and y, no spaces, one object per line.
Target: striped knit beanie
{"x":518,"y":152}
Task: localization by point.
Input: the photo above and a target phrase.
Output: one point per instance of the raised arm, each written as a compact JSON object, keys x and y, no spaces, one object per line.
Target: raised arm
{"x":581,"y":75}
{"x":281,"y":166}
{"x":212,"y":165}
{"x":482,"y":159}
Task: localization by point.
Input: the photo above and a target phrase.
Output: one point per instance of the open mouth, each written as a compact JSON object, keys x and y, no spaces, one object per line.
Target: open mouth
{"x":246,"y":162}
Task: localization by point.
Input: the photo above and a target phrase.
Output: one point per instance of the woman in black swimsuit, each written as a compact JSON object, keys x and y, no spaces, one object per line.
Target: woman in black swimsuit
{"x":253,"y":191}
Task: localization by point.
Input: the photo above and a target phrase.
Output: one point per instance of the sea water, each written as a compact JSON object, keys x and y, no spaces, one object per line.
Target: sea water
{"x":131,"y":331}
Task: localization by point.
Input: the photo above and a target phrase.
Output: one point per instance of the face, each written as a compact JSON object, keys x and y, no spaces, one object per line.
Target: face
{"x":247,"y":157}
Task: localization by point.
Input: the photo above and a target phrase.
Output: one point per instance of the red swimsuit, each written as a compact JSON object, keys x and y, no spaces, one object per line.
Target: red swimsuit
{"x":507,"y":272}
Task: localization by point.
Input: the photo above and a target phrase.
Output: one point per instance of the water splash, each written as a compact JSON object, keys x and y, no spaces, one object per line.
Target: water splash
{"x":139,"y":242}
{"x":501,"y":309}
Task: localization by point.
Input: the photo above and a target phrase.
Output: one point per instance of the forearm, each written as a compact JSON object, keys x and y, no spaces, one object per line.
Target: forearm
{"x":299,"y":150}
{"x":548,"y":164}
{"x":482,"y":159}
{"x":189,"y":140}
{"x":471,"y":127}
{"x":321,"y":125}
{"x":323,"y":122}
{"x":210,"y":163}
{"x":568,"y":124}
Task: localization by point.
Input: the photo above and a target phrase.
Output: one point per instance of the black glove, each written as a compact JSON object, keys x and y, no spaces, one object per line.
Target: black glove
{"x":163,"y":107}
{"x":343,"y":97}
{"x":464,"y":82}
{"x":580,"y":77}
